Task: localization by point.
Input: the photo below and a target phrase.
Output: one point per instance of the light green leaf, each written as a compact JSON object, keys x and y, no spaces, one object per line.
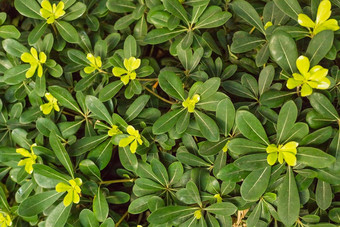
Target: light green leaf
{"x":251,"y":127}
{"x":208,"y":126}
{"x":288,"y":199}
{"x":61,"y":153}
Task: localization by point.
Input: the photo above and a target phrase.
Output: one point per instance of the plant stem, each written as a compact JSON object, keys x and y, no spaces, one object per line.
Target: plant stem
{"x":117,"y":181}
{"x":122,"y":218}
{"x":158,"y":96}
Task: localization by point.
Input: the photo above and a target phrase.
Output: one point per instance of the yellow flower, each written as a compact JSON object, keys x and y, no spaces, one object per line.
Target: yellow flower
{"x":218,"y":198}
{"x":114,"y":131}
{"x":285,"y":152}
{"x":95,"y":63}
{"x":133,"y":139}
{"x":51,"y":12}
{"x":225,"y":148}
{"x":314,"y":78}
{"x":190,"y":103}
{"x":52,"y":103}
{"x":198,"y":214}
{"x":5,"y":219}
{"x":128,"y":73}
{"x":321,"y":23}
{"x":73,"y":191}
{"x":30,"y":158}
{"x":267,"y":25}
{"x":35,"y":62}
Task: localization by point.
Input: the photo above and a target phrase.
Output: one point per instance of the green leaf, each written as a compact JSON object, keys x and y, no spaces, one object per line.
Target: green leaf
{"x":208,"y":88}
{"x":193,"y":191}
{"x":61,"y":153}
{"x":317,"y":137}
{"x":241,"y":146}
{"x":283,"y":51}
{"x":251,"y":127}
{"x":213,"y":17}
{"x":161,"y":35}
{"x":170,"y":213}
{"x":130,"y":47}
{"x":166,"y":121}
{"x":13,"y":47}
{"x":9,"y":31}
{"x":252,"y":162}
{"x":183,"y":122}
{"x":139,"y":205}
{"x":334,"y":147}
{"x":75,"y":11}
{"x":311,"y":218}
{"x":287,"y":117}
{"x":158,"y":167}
{"x":88,"y":219}
{"x":171,"y":84}
{"x":28,"y":9}
{"x":37,"y":32}
{"x":175,"y":171}
{"x":64,"y":97}
{"x":247,"y":12}
{"x":136,"y":107}
{"x":59,"y":215}
{"x":254,"y":217}
{"x":40,"y":85}
{"x":100,"y":206}
{"x":323,"y":194}
{"x":274,"y":98}
{"x":323,"y":106}
{"x":127,"y":159}
{"x":231,"y":173}
{"x":243,"y":42}
{"x":262,"y":55}
{"x":319,"y":46}
{"x":334,"y":215}
{"x":108,"y":223}
{"x":16,"y":74}
{"x":208,"y":126}
{"x":175,"y":8}
{"x":85,"y":144}
{"x":67,"y":31}
{"x":250,"y":82}
{"x":298,"y":131}
{"x":289,"y":7}
{"x":101,"y":154}
{"x":208,"y":148}
{"x":329,"y":175}
{"x":98,"y":108}
{"x":110,"y":90}
{"x":223,"y":208}
{"x":225,"y":116}
{"x":47,"y":171}
{"x":88,"y":168}
{"x":23,"y":192}
{"x":45,"y":126}
{"x":3,"y":199}
{"x":266,"y":78}
{"x":38,"y":203}
{"x":191,"y":159}
{"x":255,"y":184}
{"x":118,"y":6}
{"x":288,"y":199}
{"x":238,"y":89}
{"x":77,"y":57}
{"x":314,"y":157}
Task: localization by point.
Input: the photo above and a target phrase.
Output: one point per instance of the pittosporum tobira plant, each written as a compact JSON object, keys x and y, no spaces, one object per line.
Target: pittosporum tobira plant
{"x":169,"y":113}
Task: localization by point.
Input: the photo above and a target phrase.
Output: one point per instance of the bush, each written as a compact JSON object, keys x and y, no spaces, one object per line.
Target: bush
{"x":169,"y":113}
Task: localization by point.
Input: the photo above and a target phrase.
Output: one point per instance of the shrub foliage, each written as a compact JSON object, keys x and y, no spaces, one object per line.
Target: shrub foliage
{"x":169,"y":113}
